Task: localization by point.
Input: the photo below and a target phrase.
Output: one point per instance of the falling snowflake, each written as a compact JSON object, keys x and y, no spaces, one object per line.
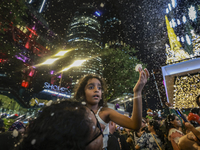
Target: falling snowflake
{"x":33,"y":141}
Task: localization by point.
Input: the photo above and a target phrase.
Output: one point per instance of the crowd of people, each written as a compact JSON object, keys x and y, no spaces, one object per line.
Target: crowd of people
{"x":84,"y":122}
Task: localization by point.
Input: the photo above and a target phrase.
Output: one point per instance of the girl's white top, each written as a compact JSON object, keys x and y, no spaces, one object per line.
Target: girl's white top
{"x":105,"y":131}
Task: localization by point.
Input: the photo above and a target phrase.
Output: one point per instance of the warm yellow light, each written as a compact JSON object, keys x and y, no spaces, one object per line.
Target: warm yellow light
{"x":61,"y":53}
{"x":49,"y":61}
{"x":77,"y":63}
{"x":66,"y":69}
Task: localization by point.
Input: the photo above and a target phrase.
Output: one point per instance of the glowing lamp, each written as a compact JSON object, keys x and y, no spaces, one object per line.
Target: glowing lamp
{"x":61,"y":53}
{"x":77,"y":63}
{"x":49,"y":61}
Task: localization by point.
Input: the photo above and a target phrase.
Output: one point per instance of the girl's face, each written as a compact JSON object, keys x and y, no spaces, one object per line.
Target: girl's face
{"x":176,"y":122}
{"x":93,"y":91}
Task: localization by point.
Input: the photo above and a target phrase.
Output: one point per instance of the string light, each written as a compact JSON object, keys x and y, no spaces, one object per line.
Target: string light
{"x":186,"y":90}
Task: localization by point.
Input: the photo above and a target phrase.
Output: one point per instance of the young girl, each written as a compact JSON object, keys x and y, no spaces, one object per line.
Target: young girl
{"x":91,"y":90}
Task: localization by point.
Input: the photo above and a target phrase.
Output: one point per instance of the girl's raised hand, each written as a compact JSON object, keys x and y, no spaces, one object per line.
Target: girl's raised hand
{"x":144,"y":75}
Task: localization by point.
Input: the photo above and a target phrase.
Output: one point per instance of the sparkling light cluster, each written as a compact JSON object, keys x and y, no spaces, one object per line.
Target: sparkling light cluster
{"x":186,"y":89}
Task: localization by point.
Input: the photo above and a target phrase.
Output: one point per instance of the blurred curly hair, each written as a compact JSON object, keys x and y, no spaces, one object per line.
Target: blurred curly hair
{"x":64,"y":125}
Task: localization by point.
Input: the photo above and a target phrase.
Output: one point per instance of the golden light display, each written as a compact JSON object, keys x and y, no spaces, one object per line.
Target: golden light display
{"x":186,"y":89}
{"x":175,"y":52}
{"x":195,"y":43}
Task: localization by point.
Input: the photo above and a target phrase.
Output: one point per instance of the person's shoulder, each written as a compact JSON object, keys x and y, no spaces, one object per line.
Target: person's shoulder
{"x":107,"y":110}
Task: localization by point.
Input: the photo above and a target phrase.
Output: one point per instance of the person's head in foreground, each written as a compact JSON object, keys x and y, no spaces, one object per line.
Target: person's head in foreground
{"x":64,"y":125}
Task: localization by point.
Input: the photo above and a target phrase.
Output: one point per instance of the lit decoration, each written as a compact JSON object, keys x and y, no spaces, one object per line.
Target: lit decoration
{"x":52,"y":72}
{"x":57,"y":93}
{"x":178,"y":22}
{"x":32,"y":72}
{"x":22,"y":57}
{"x":188,"y":39}
{"x":3,"y":60}
{"x":167,"y":10}
{"x":97,"y":13}
{"x":174,"y":3}
{"x":42,"y":6}
{"x":49,"y":61}
{"x":33,"y":32}
{"x":61,"y":53}
{"x":195,"y":43}
{"x":175,"y":52}
{"x":25,"y":84}
{"x":170,"y":7}
{"x":192,"y":13}
{"x":182,"y":39}
{"x":173,"y":23}
{"x":30,"y":1}
{"x":186,"y":89}
{"x":184,"y":19}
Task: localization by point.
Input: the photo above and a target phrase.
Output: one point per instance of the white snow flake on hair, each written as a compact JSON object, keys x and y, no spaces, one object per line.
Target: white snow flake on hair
{"x":33,"y":141}
{"x":83,"y":103}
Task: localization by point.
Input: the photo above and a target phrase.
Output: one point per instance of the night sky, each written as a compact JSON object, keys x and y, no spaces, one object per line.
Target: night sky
{"x":144,"y":28}
{"x":143,"y":22}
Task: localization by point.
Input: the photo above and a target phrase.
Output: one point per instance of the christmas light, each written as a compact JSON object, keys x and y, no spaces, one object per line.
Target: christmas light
{"x":170,"y":7}
{"x":192,"y":13}
{"x":182,"y":39}
{"x":61,"y":53}
{"x":178,"y":22}
{"x":167,"y":10}
{"x":188,"y":39}
{"x":184,"y":19}
{"x":42,"y":6}
{"x":186,"y":90}
{"x":97,"y":13}
{"x":49,"y":61}
{"x":174,"y":3}
{"x":77,"y":63}
{"x":57,"y":93}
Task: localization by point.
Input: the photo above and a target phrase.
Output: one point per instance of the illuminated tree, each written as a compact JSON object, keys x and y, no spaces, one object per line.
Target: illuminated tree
{"x":119,"y":70}
{"x":175,"y":46}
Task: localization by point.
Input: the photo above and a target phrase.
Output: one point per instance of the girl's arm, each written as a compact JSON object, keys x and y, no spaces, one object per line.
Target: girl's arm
{"x":135,"y":121}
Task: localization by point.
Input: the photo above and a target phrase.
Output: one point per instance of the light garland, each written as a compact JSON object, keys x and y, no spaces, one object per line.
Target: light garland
{"x":186,"y":89}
